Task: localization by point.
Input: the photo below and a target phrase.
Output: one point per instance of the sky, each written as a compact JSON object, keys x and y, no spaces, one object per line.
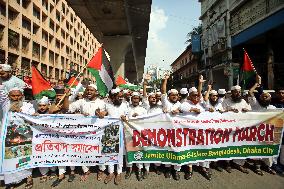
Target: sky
{"x":170,"y":21}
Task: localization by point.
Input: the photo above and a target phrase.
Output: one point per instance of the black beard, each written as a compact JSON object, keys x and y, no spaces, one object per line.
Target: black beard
{"x":236,"y":99}
{"x":213,"y":103}
{"x":263,"y":103}
{"x":153,"y":105}
{"x":38,"y":111}
{"x":117,"y":102}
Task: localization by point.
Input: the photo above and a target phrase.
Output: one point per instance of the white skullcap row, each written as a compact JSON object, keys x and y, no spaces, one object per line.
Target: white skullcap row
{"x":173,"y":91}
{"x":158,"y":93}
{"x":125,"y":91}
{"x":93,"y":86}
{"x":192,"y":89}
{"x":135,"y":94}
{"x":213,"y":92}
{"x":16,"y":89}
{"x":44,"y":100}
{"x":221,"y":91}
{"x":183,"y":91}
{"x":150,"y":94}
{"x":5,"y":67}
{"x":115,"y":91}
{"x":236,"y":87}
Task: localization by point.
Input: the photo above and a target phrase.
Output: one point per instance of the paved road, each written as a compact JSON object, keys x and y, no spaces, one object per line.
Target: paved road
{"x":224,"y":180}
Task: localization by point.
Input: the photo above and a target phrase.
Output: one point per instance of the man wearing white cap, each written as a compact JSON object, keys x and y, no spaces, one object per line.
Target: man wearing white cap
{"x":91,"y":105}
{"x":262,"y":104}
{"x":183,"y":94}
{"x":115,"y":109}
{"x":236,"y":104}
{"x":42,"y":108}
{"x":193,"y":105}
{"x":136,"y":110}
{"x":211,"y":102}
{"x":14,"y":102}
{"x":8,"y":80}
{"x":170,"y":104}
{"x":221,"y":95}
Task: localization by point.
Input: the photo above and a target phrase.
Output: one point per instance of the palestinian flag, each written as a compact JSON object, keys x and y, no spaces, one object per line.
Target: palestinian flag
{"x":125,"y":85}
{"x":72,"y":81}
{"x":248,"y":72}
{"x":101,"y":69}
{"x":40,"y":86}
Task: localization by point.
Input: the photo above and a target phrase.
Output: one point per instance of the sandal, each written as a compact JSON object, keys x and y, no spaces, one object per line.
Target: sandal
{"x":85,"y":176}
{"x":71,"y":177}
{"x":271,"y":171}
{"x":43,"y":179}
{"x":57,"y":182}
{"x":100,"y":175}
{"x":259,"y":172}
{"x":29,"y":184}
{"x":52,"y":175}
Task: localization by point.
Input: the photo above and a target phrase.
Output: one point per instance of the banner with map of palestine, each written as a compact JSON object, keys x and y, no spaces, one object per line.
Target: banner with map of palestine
{"x":59,"y":140}
{"x":208,"y":136}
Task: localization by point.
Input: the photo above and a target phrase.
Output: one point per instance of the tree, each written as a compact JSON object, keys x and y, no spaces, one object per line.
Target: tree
{"x":195,"y":31}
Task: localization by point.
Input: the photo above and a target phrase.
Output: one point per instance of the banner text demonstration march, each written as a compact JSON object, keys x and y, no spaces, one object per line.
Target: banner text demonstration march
{"x":208,"y":136}
{"x":76,"y":140}
{"x":59,"y":140}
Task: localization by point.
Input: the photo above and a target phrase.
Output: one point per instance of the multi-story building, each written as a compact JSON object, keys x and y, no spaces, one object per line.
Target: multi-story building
{"x":258,"y":26}
{"x":45,"y":33}
{"x":185,"y":69}
{"x":216,"y":42}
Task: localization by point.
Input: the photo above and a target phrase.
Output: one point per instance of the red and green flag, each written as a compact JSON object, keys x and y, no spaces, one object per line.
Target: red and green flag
{"x":248,"y":71}
{"x":73,"y":82}
{"x":100,"y":68}
{"x":40,"y":86}
{"x":123,"y":84}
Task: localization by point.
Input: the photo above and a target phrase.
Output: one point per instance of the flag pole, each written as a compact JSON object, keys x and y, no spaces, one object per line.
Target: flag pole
{"x":77,"y":77}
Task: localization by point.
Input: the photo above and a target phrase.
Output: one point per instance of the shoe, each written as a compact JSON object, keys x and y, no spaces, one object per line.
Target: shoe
{"x":128,"y":174}
{"x":57,"y":182}
{"x":259,"y":172}
{"x":176,"y":175}
{"x":145,"y":174}
{"x":188,"y":175}
{"x":228,"y":169}
{"x":71,"y":178}
{"x":242,"y":169}
{"x":52,"y":175}
{"x":271,"y":171}
{"x":208,"y":175}
{"x":117,"y":179}
{"x":168,"y":173}
{"x":109,"y":178}
{"x":139,"y":175}
{"x":9,"y":186}
{"x":277,"y":168}
{"x":158,"y":170}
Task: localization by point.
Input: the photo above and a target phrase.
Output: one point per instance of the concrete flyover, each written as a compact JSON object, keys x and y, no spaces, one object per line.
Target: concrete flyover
{"x":122,"y":26}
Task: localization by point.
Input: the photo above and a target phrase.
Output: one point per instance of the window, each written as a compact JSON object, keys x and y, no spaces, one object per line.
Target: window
{"x":57,"y":44}
{"x":51,"y":57}
{"x":25,"y":44}
{"x":51,"y":25}
{"x":57,"y":16}
{"x":26,"y":24}
{"x":25,"y":3}
{"x":44,"y":36}
{"x":13,"y":39}
{"x":12,"y":15}
{"x":35,"y":29}
{"x":36,"y":13}
{"x":44,"y":4}
{"x":3,"y":10}
{"x":36,"y":49}
{"x":43,"y":53}
{"x":51,"y":8}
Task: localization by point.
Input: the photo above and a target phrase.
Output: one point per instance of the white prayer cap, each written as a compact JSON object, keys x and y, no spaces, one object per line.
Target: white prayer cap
{"x":44,"y":100}
{"x":192,"y":89}
{"x":125,"y":91}
{"x":158,"y":90}
{"x":221,"y":91}
{"x":245,"y":93}
{"x":141,"y":90}
{"x":213,"y":92}
{"x":236,"y":87}
{"x":135,"y":94}
{"x":174,"y":91}
{"x":183,"y":91}
{"x":151,"y":93}
{"x":81,"y":93}
{"x":16,"y":89}
{"x":93,"y":86}
{"x":204,"y":93}
{"x":6,"y":67}
{"x":158,"y":93}
{"x":114,"y":91}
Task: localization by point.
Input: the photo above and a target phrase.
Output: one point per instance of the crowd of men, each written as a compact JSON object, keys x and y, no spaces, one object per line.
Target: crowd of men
{"x":126,"y":104}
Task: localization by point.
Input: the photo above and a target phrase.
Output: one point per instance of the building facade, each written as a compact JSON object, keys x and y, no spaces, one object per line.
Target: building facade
{"x":216,"y":42}
{"x":258,"y":26}
{"x":229,"y":26}
{"x":185,"y":70}
{"x":44,"y":33}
